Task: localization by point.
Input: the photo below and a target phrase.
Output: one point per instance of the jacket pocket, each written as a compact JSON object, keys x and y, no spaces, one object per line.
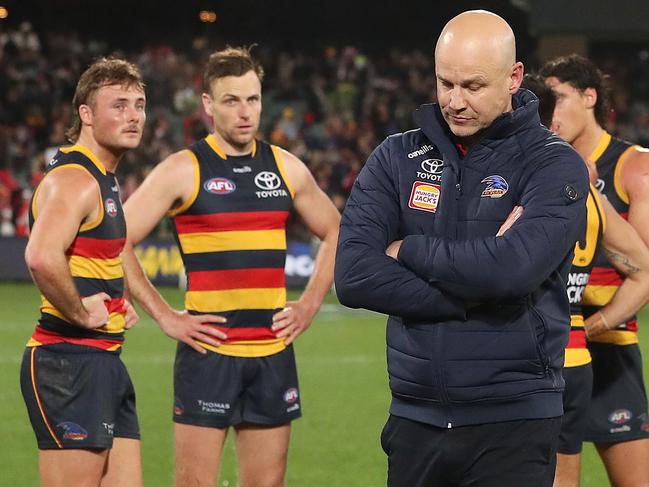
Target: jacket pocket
{"x":539,"y":329}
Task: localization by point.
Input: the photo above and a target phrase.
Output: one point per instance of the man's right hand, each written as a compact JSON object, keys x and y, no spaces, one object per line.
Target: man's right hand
{"x":515,"y":214}
{"x":95,"y":306}
{"x":190,"y":329}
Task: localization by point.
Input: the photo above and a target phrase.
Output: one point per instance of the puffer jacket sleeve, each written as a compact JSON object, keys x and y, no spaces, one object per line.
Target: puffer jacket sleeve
{"x":514,"y":265}
{"x":365,"y":276}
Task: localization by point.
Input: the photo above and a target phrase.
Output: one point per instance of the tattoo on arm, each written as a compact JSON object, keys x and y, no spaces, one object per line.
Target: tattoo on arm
{"x":622,"y":261}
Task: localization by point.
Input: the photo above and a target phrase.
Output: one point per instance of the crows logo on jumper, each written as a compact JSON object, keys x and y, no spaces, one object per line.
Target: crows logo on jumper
{"x":496,"y":187}
{"x":72,"y":431}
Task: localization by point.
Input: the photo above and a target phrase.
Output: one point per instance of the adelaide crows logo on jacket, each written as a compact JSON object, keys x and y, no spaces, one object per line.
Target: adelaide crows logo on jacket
{"x":496,"y":187}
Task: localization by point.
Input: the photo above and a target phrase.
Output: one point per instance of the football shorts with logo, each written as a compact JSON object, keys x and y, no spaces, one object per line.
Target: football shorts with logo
{"x":77,"y":397}
{"x":219,"y":391}
{"x":618,"y":408}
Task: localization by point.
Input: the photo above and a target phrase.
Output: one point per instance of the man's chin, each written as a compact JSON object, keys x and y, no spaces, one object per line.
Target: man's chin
{"x":463,"y":131}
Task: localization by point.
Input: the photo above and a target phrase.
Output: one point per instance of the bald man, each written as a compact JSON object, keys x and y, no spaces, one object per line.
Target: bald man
{"x":463,"y":231}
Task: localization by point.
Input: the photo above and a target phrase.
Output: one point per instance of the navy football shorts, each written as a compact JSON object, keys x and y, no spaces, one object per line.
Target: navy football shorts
{"x":219,"y":391}
{"x":618,"y":407}
{"x":77,"y":397}
{"x":576,"y":396}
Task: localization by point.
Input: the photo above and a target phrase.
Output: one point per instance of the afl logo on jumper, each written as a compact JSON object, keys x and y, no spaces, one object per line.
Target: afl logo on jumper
{"x":269,"y":183}
{"x":496,"y":187}
{"x":424,"y":196}
{"x":111,"y":207}
{"x":219,"y":186}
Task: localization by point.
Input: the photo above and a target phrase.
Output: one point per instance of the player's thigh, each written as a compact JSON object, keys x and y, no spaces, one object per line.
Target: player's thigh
{"x":576,"y":399}
{"x":627,"y":463}
{"x":124,"y":464}
{"x":74,"y":467}
{"x":568,"y":470}
{"x":618,"y":408}
{"x":262,"y":452}
{"x":198,"y":452}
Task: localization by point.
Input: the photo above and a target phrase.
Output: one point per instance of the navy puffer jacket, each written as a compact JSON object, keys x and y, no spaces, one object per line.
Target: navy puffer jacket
{"x":478,"y":323}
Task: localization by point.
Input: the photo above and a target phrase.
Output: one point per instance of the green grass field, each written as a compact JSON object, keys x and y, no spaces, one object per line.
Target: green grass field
{"x":343,"y":382}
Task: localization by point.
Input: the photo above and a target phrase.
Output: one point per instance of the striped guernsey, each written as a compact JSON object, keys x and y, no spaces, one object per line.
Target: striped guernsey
{"x":578,"y":277}
{"x":93,"y":257}
{"x":232,"y":237}
{"x":609,"y":155}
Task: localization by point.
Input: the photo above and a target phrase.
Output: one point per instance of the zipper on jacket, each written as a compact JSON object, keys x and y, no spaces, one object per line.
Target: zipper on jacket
{"x":458,"y":184}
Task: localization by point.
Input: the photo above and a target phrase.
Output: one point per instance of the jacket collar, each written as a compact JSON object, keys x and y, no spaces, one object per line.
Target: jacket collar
{"x":524,"y":115}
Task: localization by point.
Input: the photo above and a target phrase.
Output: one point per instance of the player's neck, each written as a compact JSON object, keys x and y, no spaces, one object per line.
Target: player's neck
{"x":586,"y":142}
{"x":108,"y":157}
{"x":232,"y":149}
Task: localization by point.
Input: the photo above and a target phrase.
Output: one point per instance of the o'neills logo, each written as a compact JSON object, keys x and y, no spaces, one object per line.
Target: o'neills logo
{"x":420,"y":152}
{"x":219,"y":186}
{"x":424,"y":196}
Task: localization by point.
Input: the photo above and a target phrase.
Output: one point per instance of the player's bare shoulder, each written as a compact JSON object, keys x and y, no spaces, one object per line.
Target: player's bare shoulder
{"x":69,"y":184}
{"x":297,"y":172}
{"x":635,"y":172}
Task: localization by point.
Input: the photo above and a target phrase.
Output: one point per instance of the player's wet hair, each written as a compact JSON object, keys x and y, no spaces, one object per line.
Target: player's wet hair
{"x":581,"y":73}
{"x":103,"y":72}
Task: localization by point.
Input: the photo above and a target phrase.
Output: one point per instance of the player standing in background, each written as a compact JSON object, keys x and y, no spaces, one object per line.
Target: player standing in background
{"x":229,"y":196}
{"x":618,"y":423}
{"x":604,"y":227}
{"x":79,"y":396}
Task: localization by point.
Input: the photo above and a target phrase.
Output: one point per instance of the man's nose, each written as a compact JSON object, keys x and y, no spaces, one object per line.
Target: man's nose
{"x":456,"y":100}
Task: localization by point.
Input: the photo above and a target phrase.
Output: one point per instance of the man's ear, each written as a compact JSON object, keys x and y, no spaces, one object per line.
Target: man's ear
{"x":590,"y":97}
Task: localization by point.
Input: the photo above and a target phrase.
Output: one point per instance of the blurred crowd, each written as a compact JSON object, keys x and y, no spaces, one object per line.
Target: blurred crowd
{"x":329,"y":107}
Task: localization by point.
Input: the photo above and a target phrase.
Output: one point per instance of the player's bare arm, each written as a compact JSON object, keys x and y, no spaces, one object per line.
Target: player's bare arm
{"x":169,"y":186}
{"x":629,"y":255}
{"x":67,"y":198}
{"x":323,"y":220}
{"x":635,"y":181}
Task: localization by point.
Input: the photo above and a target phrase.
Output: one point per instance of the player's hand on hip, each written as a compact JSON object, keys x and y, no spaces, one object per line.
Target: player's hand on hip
{"x":293,"y":320}
{"x":515,"y":214}
{"x":596,"y":324}
{"x":130,"y":315}
{"x":191,"y":329}
{"x":97,"y":310}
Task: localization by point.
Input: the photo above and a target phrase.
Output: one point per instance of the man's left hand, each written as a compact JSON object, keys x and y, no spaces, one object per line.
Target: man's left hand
{"x":293,"y":320}
{"x":393,"y":249}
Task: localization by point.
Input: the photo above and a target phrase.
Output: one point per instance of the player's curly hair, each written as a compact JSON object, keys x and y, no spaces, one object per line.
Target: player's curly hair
{"x":231,"y":61}
{"x":103,"y":72}
{"x":581,"y":73}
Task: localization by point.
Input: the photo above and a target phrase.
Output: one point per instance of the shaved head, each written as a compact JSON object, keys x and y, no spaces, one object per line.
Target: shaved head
{"x":478,"y":34}
{"x":476,"y":70}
